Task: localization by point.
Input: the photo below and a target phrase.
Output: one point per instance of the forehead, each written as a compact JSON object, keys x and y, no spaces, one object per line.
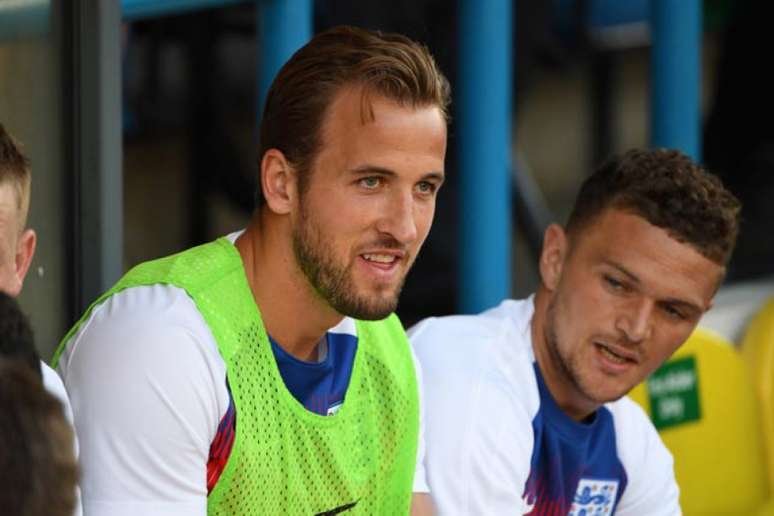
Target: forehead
{"x":665,"y":267}
{"x":367,"y":125}
{"x":9,"y":220}
{"x":9,"y":203}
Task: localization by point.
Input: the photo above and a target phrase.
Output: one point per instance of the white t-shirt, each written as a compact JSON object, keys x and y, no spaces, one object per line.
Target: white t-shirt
{"x":498,"y":444}
{"x":148,"y":390}
{"x":53,"y":384}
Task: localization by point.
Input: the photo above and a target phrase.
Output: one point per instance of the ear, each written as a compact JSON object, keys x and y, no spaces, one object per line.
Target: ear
{"x":552,"y":256}
{"x":278,"y":181}
{"x":25,"y":249}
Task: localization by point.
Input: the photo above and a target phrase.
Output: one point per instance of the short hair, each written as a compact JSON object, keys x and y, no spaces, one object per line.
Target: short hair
{"x":38,"y":469}
{"x":15,"y":170}
{"x":390,"y":65}
{"x":16,"y":338}
{"x":670,"y":191}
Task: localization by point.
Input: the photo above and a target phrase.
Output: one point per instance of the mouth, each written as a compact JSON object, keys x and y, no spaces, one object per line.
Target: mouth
{"x":382,"y":261}
{"x":616,"y":355}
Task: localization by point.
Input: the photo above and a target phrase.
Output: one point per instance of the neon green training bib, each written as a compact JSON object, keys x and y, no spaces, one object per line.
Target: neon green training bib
{"x":285,"y":459}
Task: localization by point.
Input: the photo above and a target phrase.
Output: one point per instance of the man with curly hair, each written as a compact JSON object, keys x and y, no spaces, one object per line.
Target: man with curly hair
{"x":526,"y":406}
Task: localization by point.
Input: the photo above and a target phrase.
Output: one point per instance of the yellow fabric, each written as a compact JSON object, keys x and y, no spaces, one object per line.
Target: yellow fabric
{"x":758,"y":352}
{"x":719,"y":459}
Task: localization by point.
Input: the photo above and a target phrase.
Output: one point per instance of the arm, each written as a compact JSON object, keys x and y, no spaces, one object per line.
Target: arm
{"x":421,"y":505}
{"x":143,"y":381}
{"x":479,"y":431}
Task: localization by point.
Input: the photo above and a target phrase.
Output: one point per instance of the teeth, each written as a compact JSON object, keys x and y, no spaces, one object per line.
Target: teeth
{"x":379,"y":258}
{"x":612,"y":356}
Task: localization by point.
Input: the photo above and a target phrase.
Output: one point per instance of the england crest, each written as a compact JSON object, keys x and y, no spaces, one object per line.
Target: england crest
{"x":594,"y":497}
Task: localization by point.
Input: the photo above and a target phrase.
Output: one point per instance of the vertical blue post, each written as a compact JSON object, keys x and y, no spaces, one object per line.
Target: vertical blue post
{"x":283,"y":26}
{"x":675,"y":75}
{"x":484,"y":141}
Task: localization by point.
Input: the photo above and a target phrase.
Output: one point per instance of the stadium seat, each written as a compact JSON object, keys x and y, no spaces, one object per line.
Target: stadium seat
{"x":758,"y":351}
{"x":703,"y":402}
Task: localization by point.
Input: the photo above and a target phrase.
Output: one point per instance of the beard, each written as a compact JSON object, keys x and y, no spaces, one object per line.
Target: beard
{"x":333,"y":281}
{"x":566,"y":362}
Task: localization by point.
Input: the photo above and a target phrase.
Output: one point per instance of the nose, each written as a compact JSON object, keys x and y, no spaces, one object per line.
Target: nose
{"x":398,"y":218}
{"x":634,"y":320}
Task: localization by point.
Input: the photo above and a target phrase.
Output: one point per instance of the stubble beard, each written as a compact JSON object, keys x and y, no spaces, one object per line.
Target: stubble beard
{"x":569,"y":367}
{"x":333,"y":282}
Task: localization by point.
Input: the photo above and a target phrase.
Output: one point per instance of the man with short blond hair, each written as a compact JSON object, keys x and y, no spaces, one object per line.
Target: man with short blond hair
{"x":17,"y":242}
{"x":17,"y":245}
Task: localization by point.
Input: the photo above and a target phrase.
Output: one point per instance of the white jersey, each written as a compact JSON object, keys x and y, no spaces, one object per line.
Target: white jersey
{"x":148,"y":390}
{"x":498,"y":444}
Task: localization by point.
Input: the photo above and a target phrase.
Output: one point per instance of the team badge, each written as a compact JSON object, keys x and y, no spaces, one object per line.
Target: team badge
{"x":594,"y":497}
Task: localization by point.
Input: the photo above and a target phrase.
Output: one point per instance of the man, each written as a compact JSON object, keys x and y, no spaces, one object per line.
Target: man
{"x":17,"y":247}
{"x":38,"y":471}
{"x":525,"y":402}
{"x":17,"y":242}
{"x":263,"y":373}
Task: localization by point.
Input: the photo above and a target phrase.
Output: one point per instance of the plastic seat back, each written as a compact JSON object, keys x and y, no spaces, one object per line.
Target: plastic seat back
{"x":758,"y":352}
{"x":703,"y":403}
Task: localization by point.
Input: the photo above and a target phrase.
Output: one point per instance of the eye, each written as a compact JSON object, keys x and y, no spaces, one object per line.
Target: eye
{"x":673,"y":312}
{"x":370,"y":182}
{"x":426,"y":187}
{"x":613,"y":283}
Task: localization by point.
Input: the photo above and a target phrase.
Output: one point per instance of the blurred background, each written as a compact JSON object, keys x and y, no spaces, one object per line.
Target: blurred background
{"x":171,"y":161}
{"x":140,"y":120}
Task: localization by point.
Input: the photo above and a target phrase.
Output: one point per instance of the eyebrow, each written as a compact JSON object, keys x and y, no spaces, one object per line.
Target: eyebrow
{"x":624,"y":271}
{"x":374,"y":169}
{"x":670,"y":301}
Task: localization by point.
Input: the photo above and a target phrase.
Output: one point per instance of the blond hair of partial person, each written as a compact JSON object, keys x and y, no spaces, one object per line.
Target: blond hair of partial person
{"x":38,"y":469}
{"x":15,"y":171}
{"x":17,"y":243}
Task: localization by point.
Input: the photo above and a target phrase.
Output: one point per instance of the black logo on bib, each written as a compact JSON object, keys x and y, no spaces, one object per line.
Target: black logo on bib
{"x":337,"y":510}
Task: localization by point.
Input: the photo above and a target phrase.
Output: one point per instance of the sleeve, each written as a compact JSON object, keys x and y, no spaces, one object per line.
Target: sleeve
{"x":651,"y":488}
{"x":420,"y":477}
{"x":478,"y":430}
{"x":143,"y":379}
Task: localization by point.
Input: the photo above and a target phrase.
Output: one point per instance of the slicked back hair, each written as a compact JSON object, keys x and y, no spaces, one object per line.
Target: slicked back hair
{"x":389,"y":65}
{"x":670,"y":191}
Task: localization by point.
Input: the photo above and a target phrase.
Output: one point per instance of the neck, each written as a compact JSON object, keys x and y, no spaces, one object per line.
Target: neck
{"x":555,"y":375}
{"x":292,"y":312}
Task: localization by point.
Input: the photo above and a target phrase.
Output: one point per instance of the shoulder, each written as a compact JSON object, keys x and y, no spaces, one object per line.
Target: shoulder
{"x":467,"y":353}
{"x":142,"y":317}
{"x":148,"y":389}
{"x":635,"y":434}
{"x":651,"y":487}
{"x":493,"y":348}
{"x":151,"y":338}
{"x":473,"y":334}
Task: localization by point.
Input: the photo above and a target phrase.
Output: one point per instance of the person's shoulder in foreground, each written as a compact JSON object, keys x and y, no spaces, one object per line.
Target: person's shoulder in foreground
{"x":38,"y":465}
{"x":526,"y":406}
{"x":287,"y":327}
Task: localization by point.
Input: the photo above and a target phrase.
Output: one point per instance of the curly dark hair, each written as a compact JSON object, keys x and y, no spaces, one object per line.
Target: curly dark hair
{"x":669,"y":190}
